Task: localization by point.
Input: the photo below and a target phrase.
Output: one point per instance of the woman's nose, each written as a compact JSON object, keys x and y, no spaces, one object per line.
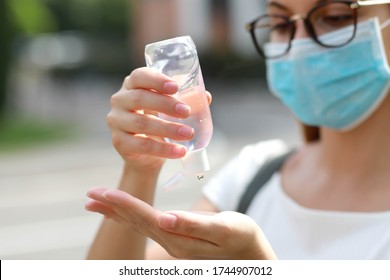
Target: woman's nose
{"x":300,"y":30}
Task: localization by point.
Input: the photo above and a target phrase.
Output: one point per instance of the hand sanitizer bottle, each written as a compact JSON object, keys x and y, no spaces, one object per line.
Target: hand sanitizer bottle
{"x":178,"y":59}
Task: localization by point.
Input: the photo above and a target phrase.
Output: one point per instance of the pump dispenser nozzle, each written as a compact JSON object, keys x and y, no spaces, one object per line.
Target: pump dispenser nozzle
{"x":196,"y":163}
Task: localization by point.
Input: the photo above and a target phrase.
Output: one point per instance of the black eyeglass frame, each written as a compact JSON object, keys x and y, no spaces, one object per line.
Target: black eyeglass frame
{"x":353,"y":5}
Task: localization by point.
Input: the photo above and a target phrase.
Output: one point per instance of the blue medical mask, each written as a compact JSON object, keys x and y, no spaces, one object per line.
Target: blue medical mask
{"x":337,"y":88}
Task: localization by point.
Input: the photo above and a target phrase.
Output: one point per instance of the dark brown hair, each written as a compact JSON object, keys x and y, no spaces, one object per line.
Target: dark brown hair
{"x":310,"y":133}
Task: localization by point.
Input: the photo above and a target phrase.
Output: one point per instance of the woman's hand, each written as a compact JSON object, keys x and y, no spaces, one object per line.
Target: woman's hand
{"x":186,"y":235}
{"x":137,"y":133}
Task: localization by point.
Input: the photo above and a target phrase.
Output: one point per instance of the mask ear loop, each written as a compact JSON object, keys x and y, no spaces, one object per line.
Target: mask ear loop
{"x":385,"y":24}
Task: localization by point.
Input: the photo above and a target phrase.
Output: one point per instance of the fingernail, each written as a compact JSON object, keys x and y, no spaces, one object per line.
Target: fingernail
{"x":179,"y":150}
{"x":167,"y":221}
{"x":88,"y":206}
{"x":170,"y":87}
{"x":106,"y":195}
{"x":183,"y":110}
{"x":185,"y":131}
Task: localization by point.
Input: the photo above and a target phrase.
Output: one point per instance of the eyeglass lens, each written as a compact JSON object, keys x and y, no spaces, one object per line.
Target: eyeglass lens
{"x":322,"y":19}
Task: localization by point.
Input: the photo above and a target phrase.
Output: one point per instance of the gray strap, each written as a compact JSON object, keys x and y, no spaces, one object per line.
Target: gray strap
{"x":271,"y":165}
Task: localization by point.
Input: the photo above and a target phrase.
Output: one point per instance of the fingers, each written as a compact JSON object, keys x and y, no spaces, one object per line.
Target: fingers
{"x":145,"y":89}
{"x":97,"y":206}
{"x":233,"y":235}
{"x":209,"y":97}
{"x":128,"y":202}
{"x":145,"y":78}
{"x":184,"y":247}
{"x":140,"y":215}
{"x":125,"y":209}
{"x":143,"y":218}
{"x":216,"y":228}
{"x":186,"y":242}
{"x":132,"y":146}
{"x":149,"y":79}
{"x":143,"y":99}
{"x":191,"y":235}
{"x":137,"y":131}
{"x":105,"y":210}
{"x":135,"y":134}
{"x":149,"y":125}
{"x":97,"y":193}
{"x":190,"y":224}
{"x":100,"y":205}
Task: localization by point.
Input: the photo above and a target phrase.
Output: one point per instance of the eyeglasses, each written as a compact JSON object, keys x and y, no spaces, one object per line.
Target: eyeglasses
{"x":326,"y":17}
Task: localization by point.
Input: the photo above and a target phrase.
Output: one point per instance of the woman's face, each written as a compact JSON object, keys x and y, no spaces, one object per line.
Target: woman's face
{"x":383,"y":13}
{"x":292,"y":7}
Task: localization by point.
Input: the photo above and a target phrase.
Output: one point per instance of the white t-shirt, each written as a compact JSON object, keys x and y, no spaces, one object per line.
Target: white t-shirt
{"x":296,"y":232}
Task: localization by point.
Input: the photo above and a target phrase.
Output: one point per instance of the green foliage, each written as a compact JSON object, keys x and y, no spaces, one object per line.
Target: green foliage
{"x":5,"y":34}
{"x":105,"y":25}
{"x":31,"y":16}
{"x":21,"y":133}
{"x":92,"y":16}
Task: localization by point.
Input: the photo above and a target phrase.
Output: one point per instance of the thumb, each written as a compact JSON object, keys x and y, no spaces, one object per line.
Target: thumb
{"x":167,"y":221}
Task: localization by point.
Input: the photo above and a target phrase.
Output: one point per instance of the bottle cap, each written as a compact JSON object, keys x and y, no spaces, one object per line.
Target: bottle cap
{"x":196,"y":162}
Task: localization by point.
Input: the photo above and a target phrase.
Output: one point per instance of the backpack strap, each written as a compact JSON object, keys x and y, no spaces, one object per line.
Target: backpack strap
{"x":270,"y":166}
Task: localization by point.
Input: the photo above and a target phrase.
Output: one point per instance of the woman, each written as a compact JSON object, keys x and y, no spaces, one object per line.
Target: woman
{"x":328,"y":62}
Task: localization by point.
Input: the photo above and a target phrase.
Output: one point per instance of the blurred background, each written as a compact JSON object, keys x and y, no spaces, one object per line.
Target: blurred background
{"x":60,"y":61}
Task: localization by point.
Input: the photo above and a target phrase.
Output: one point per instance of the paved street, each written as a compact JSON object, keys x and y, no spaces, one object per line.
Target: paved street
{"x":42,"y":190}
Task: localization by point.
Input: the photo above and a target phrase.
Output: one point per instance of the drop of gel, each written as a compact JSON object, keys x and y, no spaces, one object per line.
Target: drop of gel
{"x":200,"y":178}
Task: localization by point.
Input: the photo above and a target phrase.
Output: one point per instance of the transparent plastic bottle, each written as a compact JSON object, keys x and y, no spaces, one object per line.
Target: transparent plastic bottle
{"x":178,"y":59}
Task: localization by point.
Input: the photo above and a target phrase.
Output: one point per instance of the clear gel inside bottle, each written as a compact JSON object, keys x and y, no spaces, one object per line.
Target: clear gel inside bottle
{"x":178,"y":59}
